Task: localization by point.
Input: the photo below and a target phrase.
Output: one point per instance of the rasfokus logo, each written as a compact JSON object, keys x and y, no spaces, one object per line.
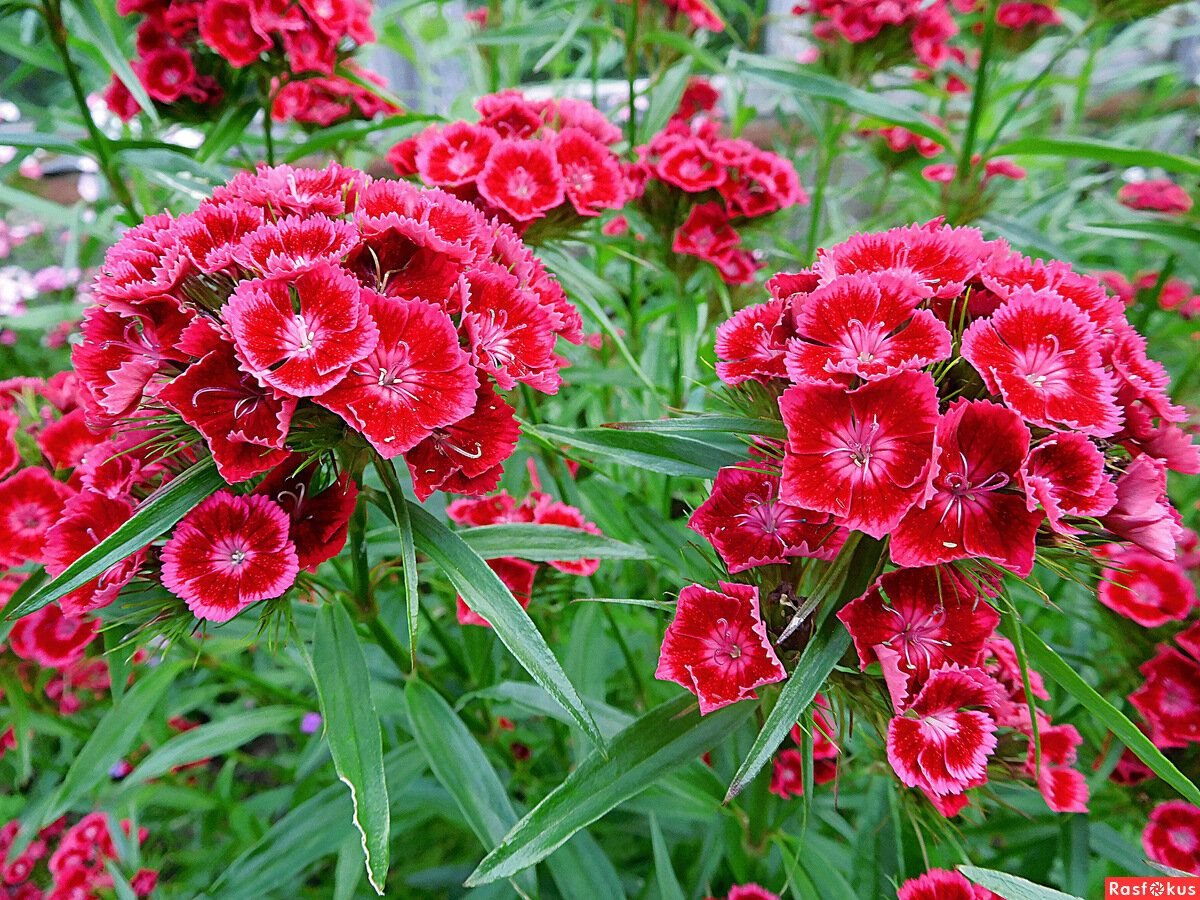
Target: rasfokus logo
{"x":1161,"y":886}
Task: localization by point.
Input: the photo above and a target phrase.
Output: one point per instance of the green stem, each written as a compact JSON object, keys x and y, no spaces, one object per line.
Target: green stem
{"x":390,"y":644}
{"x":978,"y":100}
{"x":363,"y":595}
{"x":52,"y":12}
{"x":825,"y":156}
{"x":635,"y":669}
{"x":246,"y":676}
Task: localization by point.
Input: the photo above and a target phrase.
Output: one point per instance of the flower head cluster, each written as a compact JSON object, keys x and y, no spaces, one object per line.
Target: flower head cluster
{"x":1156,"y":195}
{"x":299,"y":311}
{"x":700,"y":188}
{"x":889,"y":32}
{"x":63,"y":863}
{"x":190,"y":57}
{"x":1172,"y":293}
{"x":538,"y":508}
{"x":524,"y":161}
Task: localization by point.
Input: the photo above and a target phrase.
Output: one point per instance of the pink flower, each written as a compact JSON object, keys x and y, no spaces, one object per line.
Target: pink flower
{"x":942,"y":742}
{"x":863,"y":455}
{"x":1144,"y":588}
{"x":1172,"y":836}
{"x":926,"y":617}
{"x":1169,"y":698}
{"x":975,"y":507}
{"x":228,"y":553}
{"x":942,"y":884}
{"x":30,"y":503}
{"x":51,"y":638}
{"x":863,"y":326}
{"x":749,"y":525}
{"x":1156,"y":195}
{"x":1143,"y":514}
{"x":1065,"y":475}
{"x":717,"y":646}
{"x":1042,"y":356}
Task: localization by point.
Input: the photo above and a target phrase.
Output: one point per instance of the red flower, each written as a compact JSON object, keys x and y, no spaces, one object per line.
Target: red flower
{"x":508,"y":331}
{"x":318,"y":518}
{"x":787,"y":773}
{"x":51,"y":638}
{"x":1156,"y":195}
{"x":942,"y":258}
{"x":975,"y":506}
{"x":227,"y":553}
{"x":454,"y":155}
{"x":10,"y":456}
{"x":750,"y":892}
{"x":1172,"y":837}
{"x":166,"y":74}
{"x":517,"y":575}
{"x":928,"y":617}
{"x":87,"y":519}
{"x":30,"y":502}
{"x":1143,"y":514}
{"x":749,"y":525}
{"x":228,"y":27}
{"x":120,"y":101}
{"x":510,"y":114}
{"x":590,"y":170}
{"x":210,"y":235}
{"x":416,"y":380}
{"x":1064,"y":789}
{"x":65,"y":441}
{"x":864,"y":326}
{"x":863,"y":455}
{"x":244,"y":424}
{"x":1144,"y":588}
{"x":301,"y":335}
{"x":717,"y":646}
{"x":942,"y":742}
{"x":1169,"y":699}
{"x":690,"y":165}
{"x":942,"y":884}
{"x":1042,"y":356}
{"x":764,"y":184}
{"x":752,"y":345}
{"x":295,"y":244}
{"x":147,"y":263}
{"x":523,"y":179}
{"x":1065,"y":476}
{"x":706,"y":233}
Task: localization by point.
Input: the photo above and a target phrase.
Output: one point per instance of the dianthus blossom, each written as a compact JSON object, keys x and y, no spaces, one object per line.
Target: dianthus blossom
{"x":524,"y":161}
{"x":1172,"y":836}
{"x":1156,"y":195}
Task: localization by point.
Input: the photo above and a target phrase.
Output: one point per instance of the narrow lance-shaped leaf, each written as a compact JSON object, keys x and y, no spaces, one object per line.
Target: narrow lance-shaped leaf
{"x":408,"y":551}
{"x":157,"y":513}
{"x":1101,"y":151}
{"x":664,"y":739}
{"x":545,"y":543}
{"x":487,"y":595}
{"x":1054,"y":667}
{"x":670,"y":454}
{"x":352,"y":731}
{"x":1011,"y":887}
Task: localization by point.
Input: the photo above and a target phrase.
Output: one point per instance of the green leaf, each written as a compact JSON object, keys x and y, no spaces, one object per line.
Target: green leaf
{"x":155,"y":515}
{"x":1182,"y":239}
{"x":545,"y":543}
{"x":487,"y":595}
{"x":211,"y":739}
{"x":89,"y":25}
{"x":1101,"y":151}
{"x":664,"y":873}
{"x":458,"y":762}
{"x":742,"y":425}
{"x":352,"y":731}
{"x":796,"y":79}
{"x":669,"y":454}
{"x":664,"y":739}
{"x":112,"y":737}
{"x":664,"y":97}
{"x":1053,"y":666}
{"x":398,"y":504}
{"x":1010,"y":887}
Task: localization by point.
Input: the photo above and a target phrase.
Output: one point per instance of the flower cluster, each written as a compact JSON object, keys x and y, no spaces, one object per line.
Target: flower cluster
{"x":524,"y":161}
{"x":890,"y":32}
{"x":538,"y":508}
{"x":700,"y":188}
{"x":1172,"y":293}
{"x":300,"y":312}
{"x":192,"y":56}
{"x":65,"y":863}
{"x":1156,"y":195}
{"x":962,"y":409}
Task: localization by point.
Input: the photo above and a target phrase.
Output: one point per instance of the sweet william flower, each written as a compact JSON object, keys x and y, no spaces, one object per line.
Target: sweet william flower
{"x":522,"y":178}
{"x":31,"y":501}
{"x":1142,"y":513}
{"x":1172,"y":836}
{"x":517,"y":575}
{"x":1156,"y":195}
{"x":864,"y":455}
{"x":942,"y":884}
{"x":1169,"y":699}
{"x":51,"y":638}
{"x":87,"y":519}
{"x":717,"y":646}
{"x":1143,"y":587}
{"x":318,"y":518}
{"x":1064,"y":475}
{"x":229,"y":552}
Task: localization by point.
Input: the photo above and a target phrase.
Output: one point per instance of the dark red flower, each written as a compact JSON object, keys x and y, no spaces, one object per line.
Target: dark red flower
{"x":523,"y":179}
{"x":227,"y":553}
{"x":416,"y":380}
{"x":245,"y":425}
{"x":862,"y":456}
{"x":717,"y":646}
{"x":864,"y":326}
{"x":301,"y":335}
{"x":517,"y":575}
{"x":318,"y":518}
{"x":30,"y":502}
{"x":752,"y":345}
{"x":942,"y":742}
{"x":1042,"y":356}
{"x":166,"y":73}
{"x":507,"y":330}
{"x":748,"y":525}
{"x":975,"y":507}
{"x":927,"y":617}
{"x":453,"y":155}
{"x":51,"y":638}
{"x":1144,"y":588}
{"x":1065,"y":475}
{"x":87,"y":519}
{"x":228,"y":27}
{"x":1172,"y":836}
